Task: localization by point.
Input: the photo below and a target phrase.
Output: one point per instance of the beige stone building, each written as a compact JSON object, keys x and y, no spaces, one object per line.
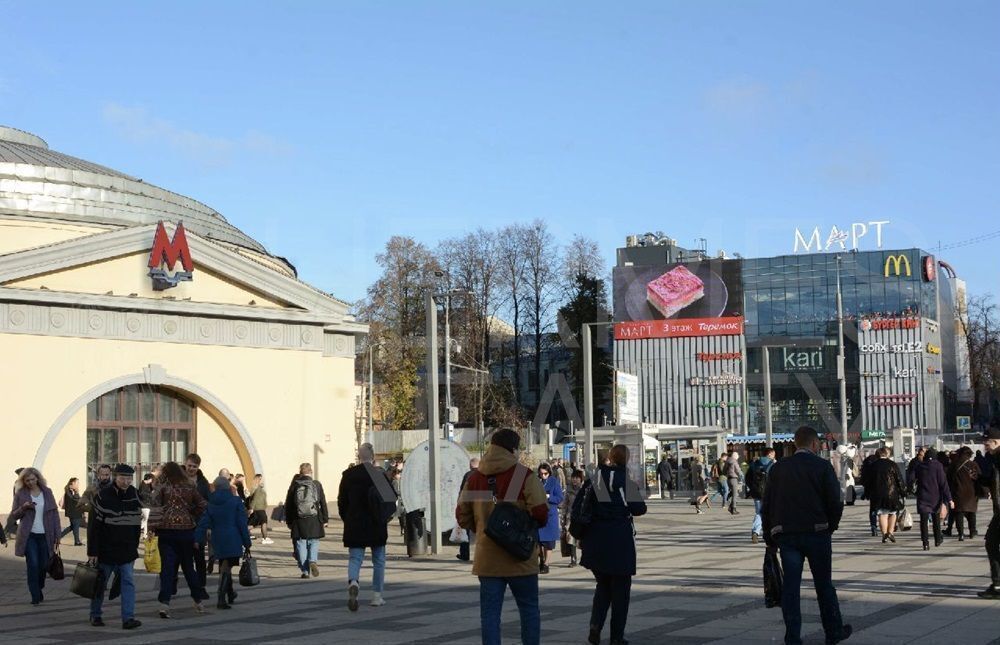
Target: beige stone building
{"x":102,"y":360}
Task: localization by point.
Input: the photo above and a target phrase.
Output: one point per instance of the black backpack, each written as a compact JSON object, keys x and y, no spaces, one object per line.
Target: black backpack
{"x":381,"y":497}
{"x":758,"y":482}
{"x":510,"y":526}
{"x":582,"y":513}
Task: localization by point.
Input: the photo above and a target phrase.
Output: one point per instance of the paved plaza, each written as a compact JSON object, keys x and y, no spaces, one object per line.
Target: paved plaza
{"x":699,"y":582}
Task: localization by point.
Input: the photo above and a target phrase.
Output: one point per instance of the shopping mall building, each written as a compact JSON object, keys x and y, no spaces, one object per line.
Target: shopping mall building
{"x":695,"y":329}
{"x":137,"y":325}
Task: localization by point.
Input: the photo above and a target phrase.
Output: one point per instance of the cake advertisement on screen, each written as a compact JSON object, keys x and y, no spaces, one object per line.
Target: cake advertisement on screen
{"x":701,"y":298}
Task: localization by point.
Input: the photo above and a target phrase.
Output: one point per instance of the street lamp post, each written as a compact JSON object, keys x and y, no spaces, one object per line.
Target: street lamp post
{"x":841,"y":367}
{"x":433,"y":426}
{"x":371,"y":385}
{"x":588,"y":395}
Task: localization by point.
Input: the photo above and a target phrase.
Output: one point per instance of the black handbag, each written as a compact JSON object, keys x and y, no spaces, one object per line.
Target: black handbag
{"x":248,"y":571}
{"x":582,"y":513}
{"x":772,"y":578}
{"x":87,"y":581}
{"x":55,"y":568}
{"x":511,"y":527}
{"x":565,"y":547}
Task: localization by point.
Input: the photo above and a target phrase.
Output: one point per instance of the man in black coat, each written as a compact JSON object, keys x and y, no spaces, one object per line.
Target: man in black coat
{"x":991,"y":450}
{"x":113,"y":542}
{"x":192,"y":468}
{"x":463,"y":547}
{"x":801,"y":510}
{"x":360,"y":486}
{"x":665,"y":473}
{"x":306,"y":515}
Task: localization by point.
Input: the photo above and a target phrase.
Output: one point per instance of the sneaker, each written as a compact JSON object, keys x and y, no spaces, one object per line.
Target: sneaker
{"x":304,"y":576}
{"x":594,"y":636}
{"x":199,"y":608}
{"x":313,"y":569}
{"x":352,"y":596}
{"x":96,"y":622}
{"x":131,"y":623}
{"x":165,"y":611}
{"x":845,"y":633}
{"x":267,"y":541}
{"x":754,"y":539}
{"x":377,"y":600}
{"x":990,"y":593}
{"x":543,"y":568}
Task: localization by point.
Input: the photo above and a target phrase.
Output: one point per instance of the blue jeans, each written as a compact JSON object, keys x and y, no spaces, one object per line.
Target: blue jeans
{"x":758,"y":523}
{"x":306,"y":550}
{"x":817,"y":548}
{"x":525,"y":590}
{"x":36,"y":557}
{"x":128,"y":590}
{"x":74,"y":527}
{"x":356,"y":557}
{"x":721,"y":488}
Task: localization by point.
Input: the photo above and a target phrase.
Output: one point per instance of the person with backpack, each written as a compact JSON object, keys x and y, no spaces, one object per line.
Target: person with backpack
{"x":306,"y":515}
{"x":718,"y":477}
{"x":608,"y":544}
{"x":366,"y":502}
{"x":734,"y":475}
{"x":503,"y":485}
{"x":757,"y":483}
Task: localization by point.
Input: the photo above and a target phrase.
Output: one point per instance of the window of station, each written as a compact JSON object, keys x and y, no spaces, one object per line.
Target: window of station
{"x":141,"y":426}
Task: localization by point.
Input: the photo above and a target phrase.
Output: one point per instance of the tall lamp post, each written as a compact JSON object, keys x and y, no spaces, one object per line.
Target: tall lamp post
{"x":841,"y":367}
{"x":371,"y":385}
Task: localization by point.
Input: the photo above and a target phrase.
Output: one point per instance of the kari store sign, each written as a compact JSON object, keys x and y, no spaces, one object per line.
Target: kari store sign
{"x":818,"y":240}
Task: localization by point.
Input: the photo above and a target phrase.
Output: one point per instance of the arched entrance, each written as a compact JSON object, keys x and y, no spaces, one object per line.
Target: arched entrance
{"x":155,"y":378}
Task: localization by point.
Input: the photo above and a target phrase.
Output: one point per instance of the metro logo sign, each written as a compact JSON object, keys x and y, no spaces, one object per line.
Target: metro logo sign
{"x":679,"y":328}
{"x":164,"y":257}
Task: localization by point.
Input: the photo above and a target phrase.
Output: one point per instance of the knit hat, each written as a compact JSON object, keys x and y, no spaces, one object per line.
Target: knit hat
{"x":124,"y":469}
{"x":991,"y":433}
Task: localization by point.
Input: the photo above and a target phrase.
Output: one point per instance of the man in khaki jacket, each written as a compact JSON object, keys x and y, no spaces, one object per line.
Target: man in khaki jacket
{"x":496,"y":568}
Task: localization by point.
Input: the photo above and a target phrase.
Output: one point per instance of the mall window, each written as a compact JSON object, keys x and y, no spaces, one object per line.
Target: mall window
{"x":142,"y":426}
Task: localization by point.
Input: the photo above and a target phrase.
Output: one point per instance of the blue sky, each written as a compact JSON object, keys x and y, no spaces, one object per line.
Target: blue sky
{"x":323,"y":128}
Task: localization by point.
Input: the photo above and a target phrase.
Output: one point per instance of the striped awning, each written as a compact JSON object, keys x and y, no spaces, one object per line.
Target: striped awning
{"x":758,"y":438}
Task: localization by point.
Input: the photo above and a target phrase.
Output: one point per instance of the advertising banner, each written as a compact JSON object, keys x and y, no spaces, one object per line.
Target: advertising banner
{"x":705,"y":289}
{"x":627,"y":397}
{"x":679,"y":328}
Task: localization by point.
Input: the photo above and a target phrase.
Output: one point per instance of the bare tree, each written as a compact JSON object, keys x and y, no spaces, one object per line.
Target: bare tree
{"x":513,"y":268}
{"x":541,"y":287}
{"x":581,"y":256}
{"x":982,"y":335}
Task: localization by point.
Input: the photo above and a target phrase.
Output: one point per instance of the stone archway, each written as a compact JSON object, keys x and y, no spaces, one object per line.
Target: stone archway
{"x":156,"y":375}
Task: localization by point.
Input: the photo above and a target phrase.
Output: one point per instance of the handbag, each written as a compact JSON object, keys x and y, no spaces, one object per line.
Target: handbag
{"x":248,"y":571}
{"x":55,"y":568}
{"x":87,"y":580}
{"x":565,"y":546}
{"x":151,"y":555}
{"x":510,"y":526}
{"x":582,"y":513}
{"x":904,"y":520}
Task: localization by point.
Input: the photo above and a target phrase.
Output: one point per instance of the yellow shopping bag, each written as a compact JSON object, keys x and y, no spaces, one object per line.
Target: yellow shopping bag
{"x":151,"y":555}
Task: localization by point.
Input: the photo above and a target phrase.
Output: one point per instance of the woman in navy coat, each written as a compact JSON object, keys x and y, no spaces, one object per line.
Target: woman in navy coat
{"x":548,"y":535}
{"x":932,"y":494}
{"x":609,"y":544}
{"x":226,"y":518}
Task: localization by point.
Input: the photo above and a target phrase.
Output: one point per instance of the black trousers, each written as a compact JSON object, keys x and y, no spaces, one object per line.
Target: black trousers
{"x":993,"y":550}
{"x":614,"y":592}
{"x":936,"y":520}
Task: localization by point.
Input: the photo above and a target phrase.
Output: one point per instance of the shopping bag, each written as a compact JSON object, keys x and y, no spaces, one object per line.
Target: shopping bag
{"x":151,"y":555}
{"x":904,"y":520}
{"x":458,"y":535}
{"x":772,"y":578}
{"x":86,"y":580}
{"x":248,"y":571}
{"x":55,"y":568}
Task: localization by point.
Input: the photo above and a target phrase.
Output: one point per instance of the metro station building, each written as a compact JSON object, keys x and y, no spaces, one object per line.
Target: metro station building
{"x":138,"y":325}
{"x":906,"y":359}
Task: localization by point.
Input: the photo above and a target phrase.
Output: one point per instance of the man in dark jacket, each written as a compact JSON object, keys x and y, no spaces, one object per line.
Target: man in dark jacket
{"x":360,"y":486}
{"x":306,"y":515}
{"x":192,"y":468}
{"x":802,"y":508}
{"x":991,"y":449}
{"x":665,"y":473}
{"x":463,"y":547}
{"x":102,"y":479}
{"x":113,"y":542}
{"x":757,"y":475}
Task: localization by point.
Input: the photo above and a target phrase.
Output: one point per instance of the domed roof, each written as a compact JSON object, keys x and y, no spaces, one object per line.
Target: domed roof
{"x":38,"y":182}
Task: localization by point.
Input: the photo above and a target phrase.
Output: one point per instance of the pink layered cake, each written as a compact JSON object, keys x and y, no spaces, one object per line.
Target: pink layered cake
{"x":674,"y":290}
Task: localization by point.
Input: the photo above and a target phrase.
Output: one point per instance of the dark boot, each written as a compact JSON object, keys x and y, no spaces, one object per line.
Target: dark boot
{"x":225,"y":581}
